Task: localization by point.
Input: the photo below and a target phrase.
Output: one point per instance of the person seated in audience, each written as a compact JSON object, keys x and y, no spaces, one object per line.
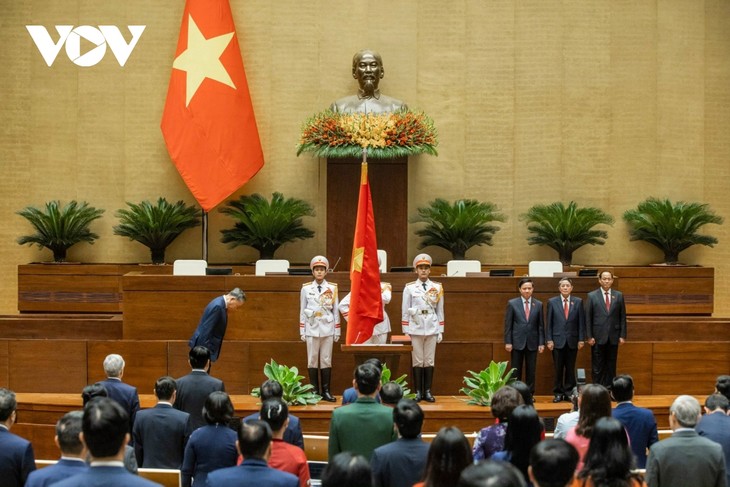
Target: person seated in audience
{"x":124,"y":394}
{"x":254,"y":444}
{"x":491,"y":438}
{"x":73,"y":453}
{"x":639,"y":422}
{"x":552,"y":463}
{"x":271,"y":389}
{"x":595,"y":404}
{"x":527,"y":398}
{"x":391,"y":393}
{"x":722,"y":385}
{"x":104,"y":432}
{"x":487,"y":473}
{"x":284,"y":456}
{"x":350,"y":394}
{"x":402,"y":462}
{"x":213,"y":446}
{"x":570,"y":419}
{"x":715,"y":425}
{"x":193,"y":389}
{"x":448,"y":455}
{"x":16,"y":453}
{"x":523,"y":432}
{"x":609,"y":459}
{"x":347,"y":469}
{"x":98,"y":390}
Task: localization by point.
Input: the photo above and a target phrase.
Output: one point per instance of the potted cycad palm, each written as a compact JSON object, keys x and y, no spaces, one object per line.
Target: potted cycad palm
{"x":59,"y":228}
{"x":156,"y":226}
{"x":266,"y":225}
{"x":671,"y":227}
{"x":565,"y":229}
{"x":457,"y":226}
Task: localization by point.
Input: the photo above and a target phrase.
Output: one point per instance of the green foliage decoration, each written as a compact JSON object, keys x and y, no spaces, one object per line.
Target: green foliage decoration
{"x":385,"y":377}
{"x":295,"y":393}
{"x":481,"y":386}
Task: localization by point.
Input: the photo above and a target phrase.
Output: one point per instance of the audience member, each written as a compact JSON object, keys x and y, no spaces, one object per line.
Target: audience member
{"x":491,"y":438}
{"x":104,"y":433}
{"x":448,"y":455}
{"x":487,"y":473}
{"x":364,"y":425}
{"x":350,"y":394}
{"x":570,"y":419}
{"x":254,"y":443}
{"x":160,"y":433}
{"x":271,"y":389}
{"x":193,"y":389}
{"x":639,"y":422}
{"x":284,"y":456}
{"x":523,"y":432}
{"x":16,"y":453}
{"x":527,"y":398}
{"x":595,"y":404}
{"x":552,"y":463}
{"x":685,"y":458}
{"x":347,"y":469}
{"x":715,"y":425}
{"x":402,"y":462}
{"x":391,"y":393}
{"x":124,"y":394}
{"x":609,"y":459}
{"x":722,"y":385}
{"x":213,"y":446}
{"x":73,"y":453}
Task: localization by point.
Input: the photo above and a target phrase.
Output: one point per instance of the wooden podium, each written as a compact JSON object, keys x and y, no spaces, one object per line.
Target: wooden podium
{"x":388,"y":354}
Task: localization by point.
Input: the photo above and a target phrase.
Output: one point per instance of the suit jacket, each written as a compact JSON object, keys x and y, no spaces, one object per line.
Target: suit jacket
{"x":640,"y":424}
{"x":211,"y":328}
{"x":125,"y":395}
{"x":360,"y":427}
{"x":251,"y":473}
{"x":55,"y":473}
{"x":160,"y":434}
{"x":605,"y":326}
{"x":561,"y":330}
{"x":16,"y":459}
{"x":106,"y":477}
{"x":192,"y":391}
{"x":293,"y":432}
{"x":716,"y":427}
{"x":209,"y":448}
{"x":399,"y":464}
{"x":521,"y":332}
{"x":685,"y":459}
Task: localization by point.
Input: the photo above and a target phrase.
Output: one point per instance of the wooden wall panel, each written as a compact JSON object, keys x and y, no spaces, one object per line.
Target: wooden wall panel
{"x":689,"y":368}
{"x":4,"y":369}
{"x":145,"y":361}
{"x":47,"y":365}
{"x":232,"y":367}
{"x":634,"y":359}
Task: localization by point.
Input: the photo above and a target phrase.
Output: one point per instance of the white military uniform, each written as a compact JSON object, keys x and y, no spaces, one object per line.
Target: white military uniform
{"x":381,"y":330}
{"x":323,"y":326}
{"x":423,"y":319}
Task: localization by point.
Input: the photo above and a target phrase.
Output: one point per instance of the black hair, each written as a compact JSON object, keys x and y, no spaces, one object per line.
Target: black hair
{"x":490,"y":473}
{"x":609,"y":458}
{"x":523,"y":432}
{"x":524,"y":391}
{"x":553,"y":462}
{"x":165,"y":387}
{"x":199,"y":357}
{"x":408,"y":418}
{"x":391,"y":392}
{"x":448,"y":455}
{"x":717,"y":401}
{"x":504,"y":401}
{"x":595,"y":403}
{"x":270,"y":389}
{"x":274,"y":412}
{"x":347,"y":469}
{"x":254,"y":438}
{"x":367,"y":378}
{"x":93,"y":390}
{"x":105,"y":425}
{"x":622,"y":388}
{"x":67,"y":431}
{"x":218,"y":408}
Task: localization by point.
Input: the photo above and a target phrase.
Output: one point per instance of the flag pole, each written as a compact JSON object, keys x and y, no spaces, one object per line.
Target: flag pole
{"x":205,"y":235}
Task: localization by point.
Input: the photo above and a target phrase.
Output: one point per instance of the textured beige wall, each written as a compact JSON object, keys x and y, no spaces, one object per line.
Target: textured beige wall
{"x":604,"y":102}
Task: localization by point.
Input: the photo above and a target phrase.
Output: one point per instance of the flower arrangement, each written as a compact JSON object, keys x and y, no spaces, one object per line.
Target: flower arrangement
{"x":384,"y":135}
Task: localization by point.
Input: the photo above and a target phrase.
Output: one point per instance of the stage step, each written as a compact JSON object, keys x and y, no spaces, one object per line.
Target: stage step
{"x":58,"y":326}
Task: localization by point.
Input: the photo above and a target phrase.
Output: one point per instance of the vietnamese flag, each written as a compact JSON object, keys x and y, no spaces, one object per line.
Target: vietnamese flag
{"x":208,"y":122}
{"x":366,"y":302}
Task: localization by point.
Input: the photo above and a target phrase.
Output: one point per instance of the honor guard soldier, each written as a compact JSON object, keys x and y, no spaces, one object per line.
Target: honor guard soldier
{"x":423,"y":320}
{"x":381,"y":330}
{"x":319,"y":325}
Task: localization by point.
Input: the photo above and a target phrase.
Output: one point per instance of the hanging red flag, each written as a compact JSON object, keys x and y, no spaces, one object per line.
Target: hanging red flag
{"x":366,"y":303}
{"x":208,"y":122}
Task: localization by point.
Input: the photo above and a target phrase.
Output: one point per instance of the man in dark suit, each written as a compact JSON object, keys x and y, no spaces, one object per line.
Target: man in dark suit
{"x":104,"y":433}
{"x":524,"y":333}
{"x":271,"y":389}
{"x":160,"y":433}
{"x":212,"y":326}
{"x":16,"y":453}
{"x":194,"y":388}
{"x":254,"y":444}
{"x":73,"y":453}
{"x":639,"y":422}
{"x":715,"y":425}
{"x":685,"y":458}
{"x":124,"y":394}
{"x":605,"y":328}
{"x":566,"y":321}
{"x":402,"y":462}
{"x":364,"y":425}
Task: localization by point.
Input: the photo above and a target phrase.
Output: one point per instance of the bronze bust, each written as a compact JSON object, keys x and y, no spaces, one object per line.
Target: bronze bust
{"x":367,"y":69}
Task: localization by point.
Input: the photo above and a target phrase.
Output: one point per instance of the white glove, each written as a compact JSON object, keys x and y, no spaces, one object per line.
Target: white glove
{"x":308,"y":313}
{"x":337,"y":337}
{"x":439,"y":338}
{"x":303,"y":337}
{"x":412,"y":311}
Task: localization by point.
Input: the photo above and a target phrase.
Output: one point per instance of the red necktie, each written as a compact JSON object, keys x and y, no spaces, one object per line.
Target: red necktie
{"x":527,"y":310}
{"x":608,"y":302}
{"x":566,"y":309}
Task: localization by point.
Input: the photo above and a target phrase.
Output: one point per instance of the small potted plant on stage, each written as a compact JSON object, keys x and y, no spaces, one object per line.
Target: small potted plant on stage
{"x":266,"y":225}
{"x":672,"y":227}
{"x":60,"y":228}
{"x":156,"y":226}
{"x":295,"y":393}
{"x":481,"y":386}
{"x":565,"y":229}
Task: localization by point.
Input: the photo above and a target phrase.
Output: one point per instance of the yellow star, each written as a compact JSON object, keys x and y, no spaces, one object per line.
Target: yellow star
{"x":201,"y":60}
{"x":357,"y":257}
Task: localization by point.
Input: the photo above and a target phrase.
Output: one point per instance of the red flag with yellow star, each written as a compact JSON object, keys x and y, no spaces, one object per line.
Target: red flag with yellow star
{"x":366,"y":302}
{"x":208,"y":122}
